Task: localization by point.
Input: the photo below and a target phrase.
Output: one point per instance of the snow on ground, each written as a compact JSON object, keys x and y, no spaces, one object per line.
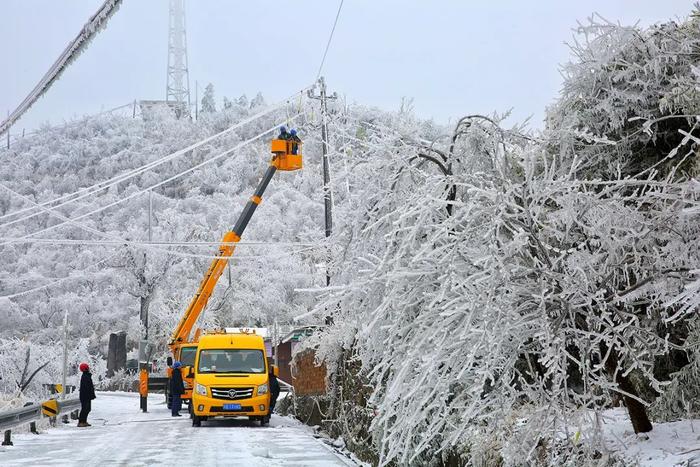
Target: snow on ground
{"x":122,"y":435}
{"x":668,"y":444}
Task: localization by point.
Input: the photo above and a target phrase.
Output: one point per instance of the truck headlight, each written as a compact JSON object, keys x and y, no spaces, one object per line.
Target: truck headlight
{"x":262,"y":389}
{"x":200,"y":389}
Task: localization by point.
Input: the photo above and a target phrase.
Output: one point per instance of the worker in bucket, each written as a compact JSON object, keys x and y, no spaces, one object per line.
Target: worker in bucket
{"x":295,"y":139}
{"x":177,"y":389}
{"x":283,"y":133}
{"x":87,"y":394}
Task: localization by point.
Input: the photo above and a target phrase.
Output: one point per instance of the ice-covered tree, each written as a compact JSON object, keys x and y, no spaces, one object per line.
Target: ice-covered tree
{"x":208,"y":102}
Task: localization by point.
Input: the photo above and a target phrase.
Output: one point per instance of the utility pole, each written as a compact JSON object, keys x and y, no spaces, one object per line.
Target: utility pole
{"x":327,"y":201}
{"x":65,"y":354}
{"x":144,"y":356}
{"x":150,"y":215}
{"x":144,"y":347}
{"x":196,"y":101}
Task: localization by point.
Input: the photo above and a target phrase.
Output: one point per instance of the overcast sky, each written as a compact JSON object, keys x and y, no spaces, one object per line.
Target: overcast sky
{"x":453,"y":57}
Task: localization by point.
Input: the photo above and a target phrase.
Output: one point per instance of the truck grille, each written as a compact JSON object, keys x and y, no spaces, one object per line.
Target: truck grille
{"x":232,"y":394}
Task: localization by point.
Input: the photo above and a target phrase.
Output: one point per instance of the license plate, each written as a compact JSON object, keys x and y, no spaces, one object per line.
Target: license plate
{"x":232,"y":406}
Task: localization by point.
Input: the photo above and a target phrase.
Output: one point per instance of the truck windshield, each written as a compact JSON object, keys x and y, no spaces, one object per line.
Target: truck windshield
{"x":187,"y":355}
{"x":231,"y":361}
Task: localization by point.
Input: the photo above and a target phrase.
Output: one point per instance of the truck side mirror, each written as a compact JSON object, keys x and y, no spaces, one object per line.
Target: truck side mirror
{"x":169,"y":361}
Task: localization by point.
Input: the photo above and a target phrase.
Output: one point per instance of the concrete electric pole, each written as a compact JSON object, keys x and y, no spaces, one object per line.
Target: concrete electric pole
{"x":327,"y":200}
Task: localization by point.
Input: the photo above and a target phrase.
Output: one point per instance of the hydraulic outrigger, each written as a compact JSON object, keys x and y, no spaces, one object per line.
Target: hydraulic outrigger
{"x":286,"y":157}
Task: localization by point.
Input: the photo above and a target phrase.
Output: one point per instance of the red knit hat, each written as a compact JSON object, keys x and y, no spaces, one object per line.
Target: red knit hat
{"x":84,"y":367}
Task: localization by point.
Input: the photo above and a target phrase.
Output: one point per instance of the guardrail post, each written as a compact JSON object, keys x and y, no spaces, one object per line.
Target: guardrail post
{"x":32,"y":428}
{"x":8,"y":438}
{"x":74,"y":415}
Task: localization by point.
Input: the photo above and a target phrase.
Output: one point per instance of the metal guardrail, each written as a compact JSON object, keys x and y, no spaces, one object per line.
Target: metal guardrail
{"x":157,"y":383}
{"x":285,"y":386}
{"x":33,"y":412}
{"x":68,"y":405}
{"x":15,"y":417}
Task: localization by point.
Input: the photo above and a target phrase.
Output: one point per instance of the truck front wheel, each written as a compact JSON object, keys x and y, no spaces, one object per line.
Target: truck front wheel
{"x":196,"y":420}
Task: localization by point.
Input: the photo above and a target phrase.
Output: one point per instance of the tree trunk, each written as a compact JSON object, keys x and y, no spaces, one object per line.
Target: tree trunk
{"x":120,"y":353}
{"x":111,"y":354}
{"x":637,"y":411}
{"x":145,"y":302}
{"x":116,"y":353}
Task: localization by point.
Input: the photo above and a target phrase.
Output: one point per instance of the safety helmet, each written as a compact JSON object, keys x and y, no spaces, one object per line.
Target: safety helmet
{"x":84,"y":367}
{"x":177,"y":365}
{"x":293,"y":132}
{"x":283,"y":129}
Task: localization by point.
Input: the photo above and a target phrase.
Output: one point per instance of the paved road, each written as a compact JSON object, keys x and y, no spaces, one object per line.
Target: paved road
{"x":121,"y":435}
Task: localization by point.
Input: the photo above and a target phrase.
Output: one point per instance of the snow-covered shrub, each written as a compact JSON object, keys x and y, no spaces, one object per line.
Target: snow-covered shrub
{"x":122,"y":380}
{"x":628,"y":97}
{"x":504,"y":282}
{"x":681,"y":398}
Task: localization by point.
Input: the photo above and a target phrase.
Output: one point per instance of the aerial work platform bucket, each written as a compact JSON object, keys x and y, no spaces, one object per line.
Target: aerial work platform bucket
{"x":287,"y":154}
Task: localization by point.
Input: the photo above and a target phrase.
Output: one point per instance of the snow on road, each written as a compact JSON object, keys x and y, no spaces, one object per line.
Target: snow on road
{"x":122,"y":435}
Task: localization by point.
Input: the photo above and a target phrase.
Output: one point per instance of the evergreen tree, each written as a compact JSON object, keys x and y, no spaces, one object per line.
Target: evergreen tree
{"x":208,"y":103}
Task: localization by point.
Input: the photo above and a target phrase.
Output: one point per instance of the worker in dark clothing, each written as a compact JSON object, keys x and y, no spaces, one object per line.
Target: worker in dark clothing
{"x":177,"y":389}
{"x":295,"y":139}
{"x":87,"y":394}
{"x":283,"y":133}
{"x":274,"y":388}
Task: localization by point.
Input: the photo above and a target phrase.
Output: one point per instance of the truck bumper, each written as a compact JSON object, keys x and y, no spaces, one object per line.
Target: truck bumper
{"x":204,"y":406}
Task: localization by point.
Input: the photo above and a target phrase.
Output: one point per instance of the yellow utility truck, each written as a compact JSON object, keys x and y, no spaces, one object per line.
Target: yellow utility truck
{"x":286,"y":157}
{"x":231,"y":378}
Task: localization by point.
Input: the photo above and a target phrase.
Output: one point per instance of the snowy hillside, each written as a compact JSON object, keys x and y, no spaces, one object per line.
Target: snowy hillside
{"x":101,"y":284}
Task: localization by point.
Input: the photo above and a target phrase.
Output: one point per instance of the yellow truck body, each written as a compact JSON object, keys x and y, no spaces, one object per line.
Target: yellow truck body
{"x":231,"y":378}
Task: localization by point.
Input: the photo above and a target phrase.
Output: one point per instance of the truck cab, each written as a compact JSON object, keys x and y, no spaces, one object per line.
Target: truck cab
{"x":230,"y":378}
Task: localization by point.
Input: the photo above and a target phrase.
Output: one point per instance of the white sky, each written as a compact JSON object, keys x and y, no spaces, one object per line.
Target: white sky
{"x":453,"y":57}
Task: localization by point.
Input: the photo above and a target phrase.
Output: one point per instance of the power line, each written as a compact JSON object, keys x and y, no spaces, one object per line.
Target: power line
{"x":69,"y":124}
{"x":88,"y":191}
{"x":156,"y":185}
{"x":330,"y":38}
{"x":115,"y":241}
{"x":68,"y":241}
{"x":57,"y":281}
{"x":95,"y":24}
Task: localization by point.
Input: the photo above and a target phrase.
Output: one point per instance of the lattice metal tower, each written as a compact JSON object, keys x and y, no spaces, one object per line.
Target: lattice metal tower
{"x":178,"y":87}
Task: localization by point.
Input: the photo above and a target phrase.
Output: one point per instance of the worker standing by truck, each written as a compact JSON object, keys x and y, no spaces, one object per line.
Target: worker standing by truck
{"x":274,"y":388}
{"x":87,"y":394}
{"x":177,"y":389}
